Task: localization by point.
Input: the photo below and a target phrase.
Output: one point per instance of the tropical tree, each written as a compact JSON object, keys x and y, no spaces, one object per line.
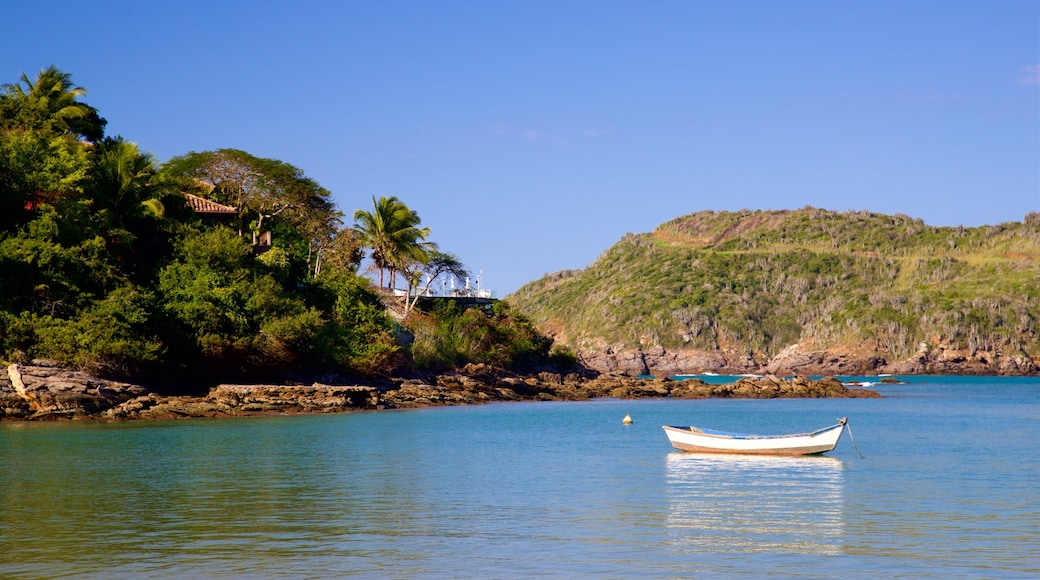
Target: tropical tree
{"x":51,"y":102}
{"x":127,"y":205}
{"x":261,"y":189}
{"x":310,"y":220}
{"x":391,"y":230}
{"x":226,"y":176}
{"x":437,"y":264}
{"x":113,"y":336}
{"x":284,"y":190}
{"x":334,"y":248}
{"x":121,"y":184}
{"x":229,"y":317}
{"x":36,"y":169}
{"x":360,"y":336}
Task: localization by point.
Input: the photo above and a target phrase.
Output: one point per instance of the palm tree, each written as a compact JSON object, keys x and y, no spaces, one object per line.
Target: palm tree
{"x":51,"y":102}
{"x":391,"y":230}
{"x":121,"y":183}
{"x":126,"y":199}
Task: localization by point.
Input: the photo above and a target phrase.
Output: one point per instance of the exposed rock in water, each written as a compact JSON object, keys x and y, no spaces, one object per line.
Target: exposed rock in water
{"x":456,"y":389}
{"x":44,"y":392}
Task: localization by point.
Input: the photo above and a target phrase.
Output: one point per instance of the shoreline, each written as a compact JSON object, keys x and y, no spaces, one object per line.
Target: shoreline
{"x":43,"y":392}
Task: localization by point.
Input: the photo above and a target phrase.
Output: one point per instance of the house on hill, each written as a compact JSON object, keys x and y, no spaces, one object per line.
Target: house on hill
{"x":210,"y":210}
{"x":213,"y":213}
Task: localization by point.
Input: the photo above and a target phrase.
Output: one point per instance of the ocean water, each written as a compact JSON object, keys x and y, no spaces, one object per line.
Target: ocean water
{"x":949,"y":488}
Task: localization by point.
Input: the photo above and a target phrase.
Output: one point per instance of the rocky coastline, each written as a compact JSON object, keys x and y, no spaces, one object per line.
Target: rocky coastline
{"x":41,"y":391}
{"x":804,"y":359}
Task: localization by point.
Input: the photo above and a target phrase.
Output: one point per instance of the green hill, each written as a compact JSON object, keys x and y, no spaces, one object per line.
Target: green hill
{"x":807,"y":290}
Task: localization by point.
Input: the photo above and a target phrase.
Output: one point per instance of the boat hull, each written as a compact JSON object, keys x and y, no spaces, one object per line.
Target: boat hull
{"x":703,"y":441}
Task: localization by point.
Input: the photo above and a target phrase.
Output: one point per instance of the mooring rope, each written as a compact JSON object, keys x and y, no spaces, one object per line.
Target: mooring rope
{"x":853,"y":439}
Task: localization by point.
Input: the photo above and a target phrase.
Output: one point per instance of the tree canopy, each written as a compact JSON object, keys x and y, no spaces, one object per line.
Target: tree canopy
{"x":107,"y":267}
{"x":391,"y":231}
{"x":50,"y":103}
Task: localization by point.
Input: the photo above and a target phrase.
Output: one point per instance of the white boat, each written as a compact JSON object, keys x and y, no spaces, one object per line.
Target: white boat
{"x":691,"y":438}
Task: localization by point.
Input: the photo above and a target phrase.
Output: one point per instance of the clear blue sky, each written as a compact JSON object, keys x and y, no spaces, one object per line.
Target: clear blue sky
{"x":532,"y":135}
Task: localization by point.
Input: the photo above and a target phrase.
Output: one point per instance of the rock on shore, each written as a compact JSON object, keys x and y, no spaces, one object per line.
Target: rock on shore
{"x":472,"y":386}
{"x":44,"y":392}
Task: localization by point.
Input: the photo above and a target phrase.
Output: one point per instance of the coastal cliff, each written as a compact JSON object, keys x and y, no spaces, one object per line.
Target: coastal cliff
{"x":41,"y":391}
{"x":802,"y":359}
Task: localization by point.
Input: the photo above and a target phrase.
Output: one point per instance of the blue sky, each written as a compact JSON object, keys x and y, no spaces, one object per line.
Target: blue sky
{"x":532,"y":135}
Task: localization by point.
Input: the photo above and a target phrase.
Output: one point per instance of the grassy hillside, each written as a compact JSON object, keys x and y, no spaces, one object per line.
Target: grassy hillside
{"x":760,"y":281}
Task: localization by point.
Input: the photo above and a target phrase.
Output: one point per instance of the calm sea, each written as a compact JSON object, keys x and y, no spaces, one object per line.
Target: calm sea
{"x":950,"y":487}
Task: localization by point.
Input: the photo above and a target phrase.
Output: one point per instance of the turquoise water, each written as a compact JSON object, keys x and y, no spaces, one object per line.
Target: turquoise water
{"x":950,"y":487}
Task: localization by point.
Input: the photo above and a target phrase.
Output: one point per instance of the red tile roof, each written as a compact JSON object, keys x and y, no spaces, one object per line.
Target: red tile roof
{"x":202,"y":205}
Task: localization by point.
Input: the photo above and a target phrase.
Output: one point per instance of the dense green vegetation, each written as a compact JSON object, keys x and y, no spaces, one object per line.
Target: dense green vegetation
{"x":760,"y":281}
{"x":106,"y":266}
{"x":450,"y":337}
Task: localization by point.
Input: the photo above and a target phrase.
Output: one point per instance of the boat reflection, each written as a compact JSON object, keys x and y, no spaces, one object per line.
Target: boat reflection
{"x":749,"y":503}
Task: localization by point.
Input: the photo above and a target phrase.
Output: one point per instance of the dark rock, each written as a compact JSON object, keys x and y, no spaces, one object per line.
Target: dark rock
{"x":48,"y":393}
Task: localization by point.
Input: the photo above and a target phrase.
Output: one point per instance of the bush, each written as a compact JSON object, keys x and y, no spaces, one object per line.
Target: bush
{"x":17,"y":337}
{"x":113,"y":338}
{"x":359,"y":336}
{"x":563,"y":359}
{"x":450,"y":338}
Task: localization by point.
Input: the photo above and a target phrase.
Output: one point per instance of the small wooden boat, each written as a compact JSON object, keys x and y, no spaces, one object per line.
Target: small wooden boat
{"x":711,"y":441}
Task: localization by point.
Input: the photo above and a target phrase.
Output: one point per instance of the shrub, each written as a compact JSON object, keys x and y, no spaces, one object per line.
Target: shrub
{"x":112,"y":338}
{"x":451,"y":338}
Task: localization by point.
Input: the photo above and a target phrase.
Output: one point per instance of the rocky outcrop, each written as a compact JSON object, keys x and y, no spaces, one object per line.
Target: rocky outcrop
{"x":942,"y":359}
{"x":464,"y":388}
{"x":42,"y":392}
{"x":764,"y":387}
{"x":315,"y":398}
{"x":613,"y":360}
{"x":805,"y":359}
{"x":655,"y":360}
{"x":250,"y":400}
